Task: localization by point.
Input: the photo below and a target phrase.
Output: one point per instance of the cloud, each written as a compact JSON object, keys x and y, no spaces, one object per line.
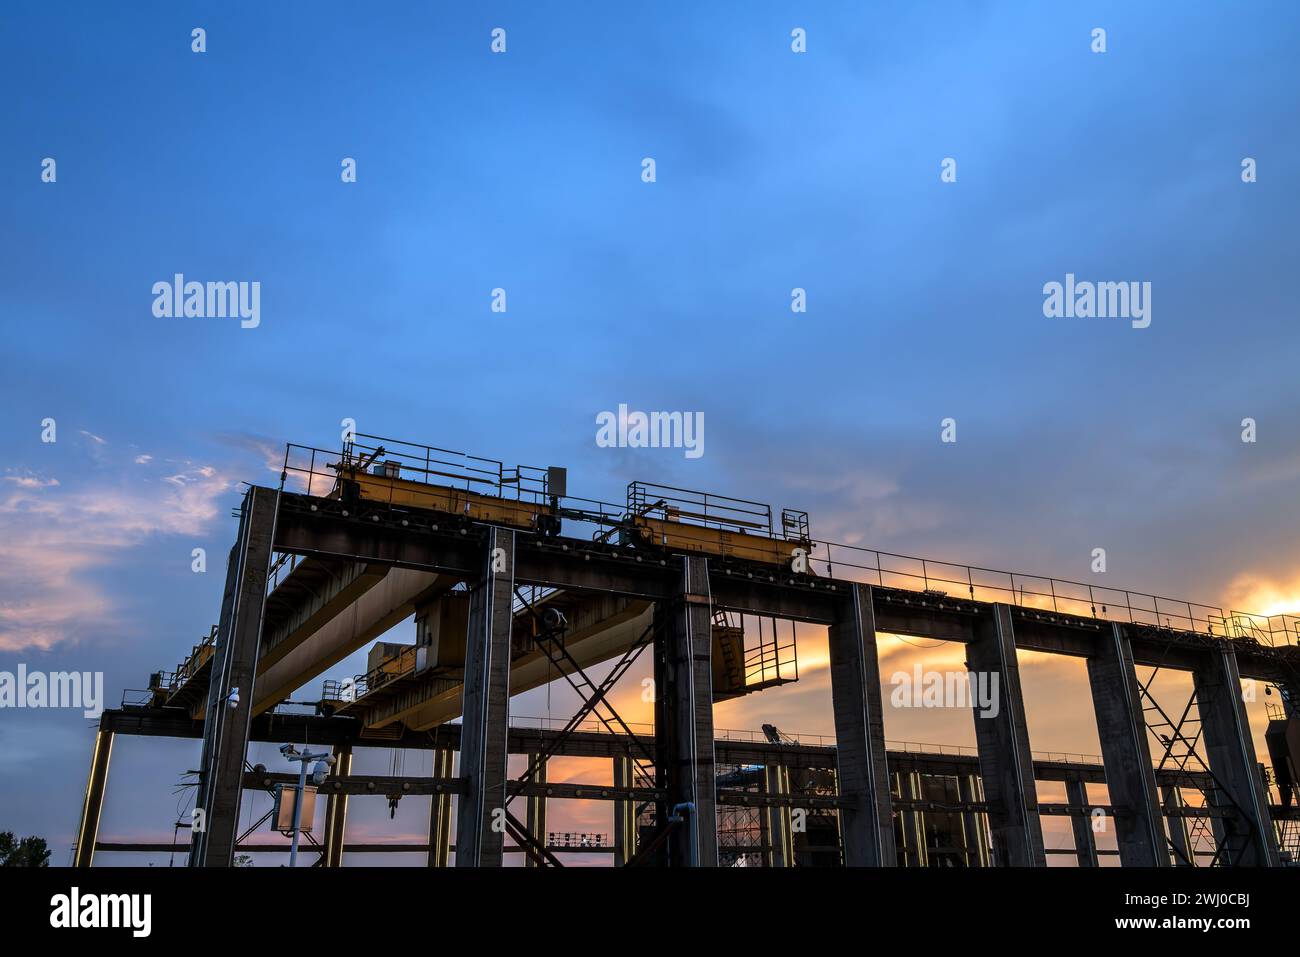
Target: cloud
{"x":51,"y":538}
{"x":143,"y":459}
{"x":31,"y":481}
{"x":1263,"y":594}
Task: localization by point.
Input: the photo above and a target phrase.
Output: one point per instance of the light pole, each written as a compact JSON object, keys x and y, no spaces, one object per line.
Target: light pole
{"x":324,"y":761}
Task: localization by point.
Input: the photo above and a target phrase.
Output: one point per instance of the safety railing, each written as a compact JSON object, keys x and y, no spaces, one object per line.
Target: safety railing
{"x":889,"y":570}
{"x":386,"y":672}
{"x":314,"y":471}
{"x":772,"y":659}
{"x":197,"y":658}
{"x":801,"y":739}
{"x":666,"y":503}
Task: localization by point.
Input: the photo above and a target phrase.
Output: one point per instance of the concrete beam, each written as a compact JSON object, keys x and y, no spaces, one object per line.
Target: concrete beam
{"x":480,"y":834}
{"x":1130,"y":778}
{"x":866,"y":822}
{"x":1006,"y":765}
{"x":684,"y":716}
{"x":1247,"y":836}
{"x":385,"y":602}
{"x":225,"y":743}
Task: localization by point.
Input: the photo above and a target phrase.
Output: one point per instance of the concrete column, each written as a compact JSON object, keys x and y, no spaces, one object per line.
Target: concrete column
{"x":866,"y":820}
{"x":234,"y":665}
{"x":480,"y":838}
{"x":536,"y":811}
{"x":1130,"y":777}
{"x":1248,"y":835}
{"x":684,"y":715}
{"x":1085,"y":846}
{"x":1178,"y":836}
{"x":440,"y":813}
{"x":1006,"y":765}
{"x":336,"y":808}
{"x":93,"y":806}
{"x":625,"y":823}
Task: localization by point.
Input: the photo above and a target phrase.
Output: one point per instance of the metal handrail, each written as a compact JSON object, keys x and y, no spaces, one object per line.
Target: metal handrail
{"x":855,"y":563}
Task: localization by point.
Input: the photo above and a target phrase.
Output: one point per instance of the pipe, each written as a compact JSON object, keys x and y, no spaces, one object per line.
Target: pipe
{"x":676,"y":818}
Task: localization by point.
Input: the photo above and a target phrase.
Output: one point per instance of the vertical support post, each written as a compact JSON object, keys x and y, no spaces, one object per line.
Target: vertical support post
{"x":777,"y":820}
{"x":234,"y":665}
{"x":440,"y":812}
{"x":1250,"y":837}
{"x":909,"y":789}
{"x":624,"y":813}
{"x":1178,"y":835}
{"x":536,"y":811}
{"x":973,"y":827}
{"x":866,"y":819}
{"x":684,"y":716}
{"x":336,"y":808}
{"x":1130,"y":777}
{"x":480,"y":830}
{"x":1085,"y":847}
{"x":1006,"y":765}
{"x":93,"y":806}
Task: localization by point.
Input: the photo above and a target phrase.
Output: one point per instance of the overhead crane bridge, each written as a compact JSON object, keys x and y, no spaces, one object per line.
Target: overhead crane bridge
{"x":513,"y":583}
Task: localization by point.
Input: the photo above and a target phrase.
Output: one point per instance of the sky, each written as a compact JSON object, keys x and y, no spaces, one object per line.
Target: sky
{"x":523,"y":171}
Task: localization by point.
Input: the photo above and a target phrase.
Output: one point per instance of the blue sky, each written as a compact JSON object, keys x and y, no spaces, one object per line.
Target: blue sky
{"x":522,"y":171}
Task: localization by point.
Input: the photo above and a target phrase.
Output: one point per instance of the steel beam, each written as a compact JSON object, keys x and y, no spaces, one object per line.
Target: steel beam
{"x":778,"y":821}
{"x":226,"y":725}
{"x":625,"y":816}
{"x":536,"y":816}
{"x":480,"y":827}
{"x":1006,"y":766}
{"x":93,"y":805}
{"x":336,"y":809}
{"x":974,"y":826}
{"x":439,"y":852}
{"x":866,"y":821}
{"x":1130,"y":777}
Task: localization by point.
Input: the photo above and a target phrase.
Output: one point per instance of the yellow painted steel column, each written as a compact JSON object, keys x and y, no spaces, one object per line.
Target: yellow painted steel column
{"x":93,"y":805}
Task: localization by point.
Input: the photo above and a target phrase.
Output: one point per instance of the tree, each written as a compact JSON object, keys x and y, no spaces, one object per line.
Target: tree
{"x":29,"y":852}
